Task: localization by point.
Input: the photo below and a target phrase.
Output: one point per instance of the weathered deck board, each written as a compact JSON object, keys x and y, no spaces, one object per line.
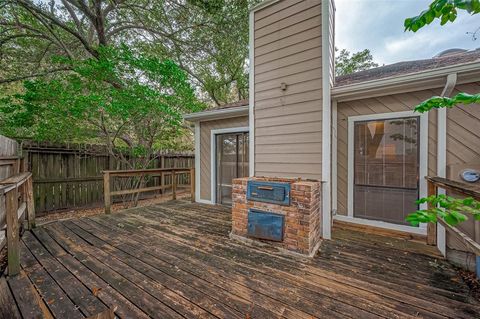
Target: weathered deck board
{"x":175,"y":260}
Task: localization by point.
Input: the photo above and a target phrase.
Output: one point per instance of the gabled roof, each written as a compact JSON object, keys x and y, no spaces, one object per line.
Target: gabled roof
{"x":408,"y":67}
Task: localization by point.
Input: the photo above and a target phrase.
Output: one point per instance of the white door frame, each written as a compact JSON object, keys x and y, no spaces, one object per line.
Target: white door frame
{"x":213,"y":156}
{"x":423,"y":148}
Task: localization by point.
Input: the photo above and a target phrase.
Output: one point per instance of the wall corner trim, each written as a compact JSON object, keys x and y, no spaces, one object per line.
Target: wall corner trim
{"x":326,"y":122}
{"x":197,"y":161}
{"x":442,"y":152}
{"x":251,"y":96}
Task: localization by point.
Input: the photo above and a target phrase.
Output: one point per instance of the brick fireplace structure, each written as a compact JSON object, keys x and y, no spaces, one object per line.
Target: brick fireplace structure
{"x":300,"y":216}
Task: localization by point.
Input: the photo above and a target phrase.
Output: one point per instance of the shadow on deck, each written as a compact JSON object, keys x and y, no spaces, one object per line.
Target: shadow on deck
{"x":175,"y":260}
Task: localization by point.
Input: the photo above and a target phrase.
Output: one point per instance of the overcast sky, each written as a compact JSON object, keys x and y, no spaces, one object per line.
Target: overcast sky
{"x":378,"y":25}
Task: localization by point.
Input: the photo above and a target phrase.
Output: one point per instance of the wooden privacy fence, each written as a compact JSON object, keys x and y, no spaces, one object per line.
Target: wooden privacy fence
{"x":10,"y":161}
{"x":176,"y":176}
{"x":67,"y":176}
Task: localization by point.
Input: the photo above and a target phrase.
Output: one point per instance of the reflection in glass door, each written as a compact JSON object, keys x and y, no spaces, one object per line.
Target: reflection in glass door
{"x":231,"y":162}
{"x":386,"y":169}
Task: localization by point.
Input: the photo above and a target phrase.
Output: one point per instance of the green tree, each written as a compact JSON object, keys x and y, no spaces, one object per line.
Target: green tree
{"x":452,"y":210}
{"x":208,"y":39}
{"x":121,"y":98}
{"x":347,"y":63}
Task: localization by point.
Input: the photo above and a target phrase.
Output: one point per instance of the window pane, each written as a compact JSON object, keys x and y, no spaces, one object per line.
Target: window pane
{"x":386,"y":168}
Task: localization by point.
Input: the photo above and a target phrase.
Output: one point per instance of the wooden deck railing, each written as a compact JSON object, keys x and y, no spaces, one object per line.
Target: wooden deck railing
{"x":16,"y":192}
{"x":161,"y":172}
{"x":470,"y":190}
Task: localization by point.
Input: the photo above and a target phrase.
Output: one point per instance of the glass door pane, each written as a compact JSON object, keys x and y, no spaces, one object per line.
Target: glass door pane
{"x":231,"y":162}
{"x":386,"y":169}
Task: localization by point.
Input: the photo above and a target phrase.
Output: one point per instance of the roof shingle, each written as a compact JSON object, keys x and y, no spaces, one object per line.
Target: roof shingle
{"x":407,"y":67}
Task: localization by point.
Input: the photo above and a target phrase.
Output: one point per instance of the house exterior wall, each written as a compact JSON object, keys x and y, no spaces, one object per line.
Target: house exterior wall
{"x":463,"y":146}
{"x":463,"y":129}
{"x":205,"y":149}
{"x":382,"y":104}
{"x":288,"y":123}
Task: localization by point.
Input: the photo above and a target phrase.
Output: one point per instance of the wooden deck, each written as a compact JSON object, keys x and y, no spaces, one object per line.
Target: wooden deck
{"x":175,"y":260}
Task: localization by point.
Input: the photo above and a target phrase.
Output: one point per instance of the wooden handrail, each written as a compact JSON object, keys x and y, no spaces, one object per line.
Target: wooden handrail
{"x":149,"y":171}
{"x":465,"y":189}
{"x":471,"y":244}
{"x":472,"y":190}
{"x":19,"y":186}
{"x":108,"y":174}
{"x":16,"y":180}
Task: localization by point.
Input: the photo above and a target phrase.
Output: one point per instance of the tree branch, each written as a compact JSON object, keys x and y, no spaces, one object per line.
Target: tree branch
{"x":24,"y":77}
{"x":31,"y":7}
{"x":73,"y":15}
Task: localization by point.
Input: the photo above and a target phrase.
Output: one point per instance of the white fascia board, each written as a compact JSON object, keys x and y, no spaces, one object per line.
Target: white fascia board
{"x":263,"y":4}
{"x":351,"y":91}
{"x":217,"y":114}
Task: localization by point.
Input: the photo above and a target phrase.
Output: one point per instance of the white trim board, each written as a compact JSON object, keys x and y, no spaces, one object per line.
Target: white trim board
{"x":334,"y":157}
{"x":251,"y":98}
{"x":197,"y":162}
{"x":213,"y":151}
{"x":380,"y":224}
{"x":326,"y":124}
{"x":204,"y":201}
{"x":442,"y":154}
{"x":423,"y":170}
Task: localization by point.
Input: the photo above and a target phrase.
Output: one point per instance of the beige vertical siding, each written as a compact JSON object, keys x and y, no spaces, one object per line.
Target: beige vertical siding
{"x":384,"y":104}
{"x":205,"y":149}
{"x":288,"y":124}
{"x":463,"y":129}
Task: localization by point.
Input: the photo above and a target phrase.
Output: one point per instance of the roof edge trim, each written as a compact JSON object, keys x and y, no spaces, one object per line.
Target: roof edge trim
{"x":217,"y":114}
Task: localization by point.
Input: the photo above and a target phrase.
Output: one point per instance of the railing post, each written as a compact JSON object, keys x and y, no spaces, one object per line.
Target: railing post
{"x":30,"y":203}
{"x":106,"y":192}
{"x":192,"y":184}
{"x":13,"y":239}
{"x":174,"y":185}
{"x":431,"y":227}
{"x":162,"y":176}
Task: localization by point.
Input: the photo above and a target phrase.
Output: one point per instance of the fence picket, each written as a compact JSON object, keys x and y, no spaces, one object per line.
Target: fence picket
{"x":69,"y":176}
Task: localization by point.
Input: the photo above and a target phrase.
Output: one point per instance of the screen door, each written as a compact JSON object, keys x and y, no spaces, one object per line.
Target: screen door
{"x":386,"y":169}
{"x":231,"y":162}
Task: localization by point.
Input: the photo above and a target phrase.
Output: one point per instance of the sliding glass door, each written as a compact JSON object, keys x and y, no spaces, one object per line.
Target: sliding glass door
{"x":231,"y":162}
{"x":386,"y":169}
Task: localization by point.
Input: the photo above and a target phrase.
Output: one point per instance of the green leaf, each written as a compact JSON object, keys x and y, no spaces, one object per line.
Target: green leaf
{"x":445,"y":10}
{"x":442,"y":102}
{"x":452,"y":210}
